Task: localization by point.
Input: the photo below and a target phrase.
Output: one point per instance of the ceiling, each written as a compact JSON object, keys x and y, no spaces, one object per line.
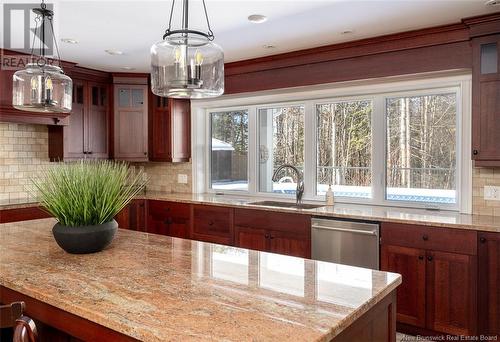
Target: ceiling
{"x":133,"y":26}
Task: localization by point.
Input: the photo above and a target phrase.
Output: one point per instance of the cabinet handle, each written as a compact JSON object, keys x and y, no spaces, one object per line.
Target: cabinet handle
{"x":266,"y":236}
{"x":145,"y":153}
{"x":211,"y":223}
{"x":429,"y":258}
{"x":90,"y":152}
{"x":475,"y":152}
{"x":482,"y":239}
{"x":271,"y":237}
{"x":425,"y":237}
{"x":420,"y":257}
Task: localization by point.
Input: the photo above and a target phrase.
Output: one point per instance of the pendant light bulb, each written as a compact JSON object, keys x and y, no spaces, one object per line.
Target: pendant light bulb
{"x":48,"y":84}
{"x":198,"y":58}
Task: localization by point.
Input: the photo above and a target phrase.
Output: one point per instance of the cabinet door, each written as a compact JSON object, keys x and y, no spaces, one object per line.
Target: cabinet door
{"x":451,"y":293}
{"x":289,"y":243}
{"x":133,"y":216}
{"x":170,"y":139}
{"x":169,"y":218}
{"x":212,"y":224}
{"x":160,"y":130}
{"x":97,"y":122}
{"x":489,"y":278}
{"x":251,"y":238}
{"x":131,"y":123}
{"x":486,"y":100}
{"x":74,"y":136}
{"x":410,"y":263}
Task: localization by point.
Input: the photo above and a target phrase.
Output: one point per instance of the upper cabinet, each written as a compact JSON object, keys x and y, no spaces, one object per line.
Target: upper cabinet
{"x":170,"y":130}
{"x":486,"y":101}
{"x":131,"y":122}
{"x":86,"y":135}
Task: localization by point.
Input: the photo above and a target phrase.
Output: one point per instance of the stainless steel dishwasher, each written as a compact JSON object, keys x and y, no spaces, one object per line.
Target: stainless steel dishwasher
{"x":346,"y":242}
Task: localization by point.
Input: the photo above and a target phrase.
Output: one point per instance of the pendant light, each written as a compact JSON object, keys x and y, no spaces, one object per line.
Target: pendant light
{"x":187,"y":63}
{"x":40,"y":86}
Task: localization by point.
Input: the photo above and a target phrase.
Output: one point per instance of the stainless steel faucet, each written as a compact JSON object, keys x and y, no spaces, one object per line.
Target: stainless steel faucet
{"x":300,"y":180}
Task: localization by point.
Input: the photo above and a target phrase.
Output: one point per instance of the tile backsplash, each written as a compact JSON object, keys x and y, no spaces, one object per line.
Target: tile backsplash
{"x":480,"y":178}
{"x":23,"y":149}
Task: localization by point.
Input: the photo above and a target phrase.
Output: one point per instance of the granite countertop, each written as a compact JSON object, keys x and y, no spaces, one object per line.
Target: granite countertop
{"x":158,"y":288}
{"x":435,"y":218}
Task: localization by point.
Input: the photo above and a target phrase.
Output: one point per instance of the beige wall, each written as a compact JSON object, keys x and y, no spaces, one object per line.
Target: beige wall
{"x":24,"y":148}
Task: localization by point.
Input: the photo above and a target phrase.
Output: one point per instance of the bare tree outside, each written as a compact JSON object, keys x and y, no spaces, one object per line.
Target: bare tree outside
{"x":421,"y":147}
{"x":344,"y":148}
{"x":229,"y":150}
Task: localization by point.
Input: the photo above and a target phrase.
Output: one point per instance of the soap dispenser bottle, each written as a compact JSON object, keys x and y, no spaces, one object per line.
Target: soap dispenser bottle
{"x":329,"y":195}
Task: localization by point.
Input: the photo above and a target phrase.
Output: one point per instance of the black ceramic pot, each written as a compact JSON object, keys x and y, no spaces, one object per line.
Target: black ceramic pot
{"x":84,"y":239}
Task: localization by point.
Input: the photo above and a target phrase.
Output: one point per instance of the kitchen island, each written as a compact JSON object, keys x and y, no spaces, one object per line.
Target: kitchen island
{"x":157,"y":288}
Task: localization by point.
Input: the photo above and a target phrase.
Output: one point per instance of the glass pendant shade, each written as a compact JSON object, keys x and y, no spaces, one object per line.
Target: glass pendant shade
{"x":42,"y":89}
{"x":187,"y":65}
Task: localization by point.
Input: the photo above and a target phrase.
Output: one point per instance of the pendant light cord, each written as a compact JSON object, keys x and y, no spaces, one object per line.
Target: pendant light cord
{"x":210,"y":35}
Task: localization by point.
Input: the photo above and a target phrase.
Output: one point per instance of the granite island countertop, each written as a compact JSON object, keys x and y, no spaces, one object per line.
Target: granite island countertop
{"x":153,"y":287}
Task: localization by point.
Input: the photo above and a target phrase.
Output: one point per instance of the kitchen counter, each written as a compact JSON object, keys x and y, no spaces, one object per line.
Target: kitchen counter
{"x":151,"y":287}
{"x":435,"y":218}
{"x":447,"y":219}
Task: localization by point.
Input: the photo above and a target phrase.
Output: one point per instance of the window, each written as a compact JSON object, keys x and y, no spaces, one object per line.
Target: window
{"x":281,"y":141}
{"x":400,"y":144}
{"x":421,"y":148}
{"x":229,"y":150}
{"x":344,"y":143}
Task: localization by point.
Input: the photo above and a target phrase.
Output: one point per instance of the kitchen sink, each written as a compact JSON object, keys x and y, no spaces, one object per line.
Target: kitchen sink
{"x":287,"y":204}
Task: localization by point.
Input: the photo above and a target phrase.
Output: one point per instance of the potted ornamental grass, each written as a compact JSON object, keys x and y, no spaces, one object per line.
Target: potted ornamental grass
{"x":84,"y":197}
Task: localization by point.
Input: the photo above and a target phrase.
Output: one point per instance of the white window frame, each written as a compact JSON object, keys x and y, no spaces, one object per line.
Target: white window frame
{"x":375,"y":90}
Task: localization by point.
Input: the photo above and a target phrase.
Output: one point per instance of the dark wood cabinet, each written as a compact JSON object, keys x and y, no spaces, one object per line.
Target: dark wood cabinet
{"x":486,"y":100}
{"x":130,"y":131}
{"x":169,"y":129}
{"x":489,"y":280}
{"x":169,"y":218}
{"x":86,"y":135}
{"x":133,"y":216}
{"x":451,"y":293}
{"x":212,"y":224}
{"x":439,"y":269}
{"x":410,"y":263}
{"x":22,"y":214}
{"x":274,"y":232}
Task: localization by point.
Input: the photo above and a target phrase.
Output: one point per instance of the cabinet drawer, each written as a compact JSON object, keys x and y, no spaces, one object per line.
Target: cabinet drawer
{"x":433,"y":238}
{"x":295,"y":223}
{"x":212,"y":224}
{"x":163,"y":209}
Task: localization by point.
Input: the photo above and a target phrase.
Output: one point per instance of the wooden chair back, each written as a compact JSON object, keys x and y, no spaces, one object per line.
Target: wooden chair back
{"x":11,"y":316}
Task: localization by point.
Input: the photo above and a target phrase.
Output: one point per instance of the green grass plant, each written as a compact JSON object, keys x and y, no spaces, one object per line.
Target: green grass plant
{"x":87,"y":192}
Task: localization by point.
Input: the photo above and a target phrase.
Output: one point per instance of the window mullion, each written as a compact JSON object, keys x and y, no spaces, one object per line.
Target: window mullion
{"x":310,"y":139}
{"x":378,"y":150}
{"x":253,"y":145}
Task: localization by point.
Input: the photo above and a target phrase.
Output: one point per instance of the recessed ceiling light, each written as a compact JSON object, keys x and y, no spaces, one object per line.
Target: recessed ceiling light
{"x":269,"y":46}
{"x":492,"y":2}
{"x":127,"y":68}
{"x":346,"y":31}
{"x":69,"y":40}
{"x":257,"y":18}
{"x":114,"y":52}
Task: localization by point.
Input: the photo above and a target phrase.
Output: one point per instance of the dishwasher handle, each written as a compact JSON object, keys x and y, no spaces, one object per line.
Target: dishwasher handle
{"x":346,"y":230}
